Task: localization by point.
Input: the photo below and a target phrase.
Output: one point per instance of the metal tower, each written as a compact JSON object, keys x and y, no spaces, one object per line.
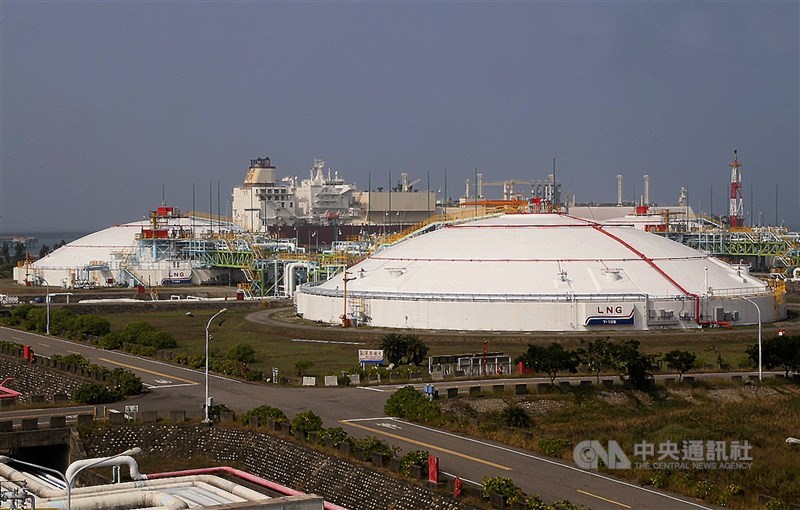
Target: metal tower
{"x":736,"y":213}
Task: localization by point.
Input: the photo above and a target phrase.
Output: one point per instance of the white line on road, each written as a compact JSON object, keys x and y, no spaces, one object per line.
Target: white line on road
{"x":326,"y":342}
{"x":548,"y":461}
{"x":370,"y":419}
{"x":369,"y":388}
{"x":462,"y":478}
{"x":169,"y":385}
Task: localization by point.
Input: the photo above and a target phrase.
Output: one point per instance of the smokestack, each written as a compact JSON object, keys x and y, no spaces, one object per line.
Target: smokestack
{"x":646,"y":190}
{"x":619,"y":191}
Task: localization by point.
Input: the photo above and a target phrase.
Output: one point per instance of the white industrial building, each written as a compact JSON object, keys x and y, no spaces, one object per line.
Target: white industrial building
{"x":540,"y":272}
{"x":148,"y":252}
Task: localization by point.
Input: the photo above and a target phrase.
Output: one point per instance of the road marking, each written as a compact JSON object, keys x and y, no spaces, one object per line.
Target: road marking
{"x":623,"y":505}
{"x":44,"y":345}
{"x":462,"y":478}
{"x":163,"y":381}
{"x":369,"y":388}
{"x":388,"y":426}
{"x":326,"y":342}
{"x":74,"y":352}
{"x":425,"y":445}
{"x":145,"y":370}
{"x":555,"y":463}
{"x":151,"y":386}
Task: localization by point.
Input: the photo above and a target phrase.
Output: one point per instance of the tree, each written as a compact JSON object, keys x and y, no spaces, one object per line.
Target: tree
{"x":394,"y":348}
{"x":243,"y":353}
{"x":43,"y":251}
{"x":416,"y":350}
{"x":780,"y":351}
{"x":551,"y":360}
{"x":597,"y":355}
{"x":680,"y":361}
{"x":637,"y":366}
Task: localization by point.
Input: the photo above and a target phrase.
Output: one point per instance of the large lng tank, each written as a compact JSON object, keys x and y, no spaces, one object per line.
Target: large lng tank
{"x":541,"y":272}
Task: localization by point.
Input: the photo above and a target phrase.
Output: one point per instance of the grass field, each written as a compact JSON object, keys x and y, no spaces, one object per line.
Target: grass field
{"x":278,"y":346}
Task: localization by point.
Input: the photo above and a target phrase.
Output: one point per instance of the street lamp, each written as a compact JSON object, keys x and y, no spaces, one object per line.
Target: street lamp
{"x":758,"y":309}
{"x":47,"y":298}
{"x":207,"y":420}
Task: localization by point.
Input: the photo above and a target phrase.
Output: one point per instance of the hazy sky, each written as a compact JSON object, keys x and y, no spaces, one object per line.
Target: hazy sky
{"x":103,"y":103}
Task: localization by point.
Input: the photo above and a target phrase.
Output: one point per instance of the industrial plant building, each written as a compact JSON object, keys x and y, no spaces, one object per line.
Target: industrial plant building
{"x":540,"y":272}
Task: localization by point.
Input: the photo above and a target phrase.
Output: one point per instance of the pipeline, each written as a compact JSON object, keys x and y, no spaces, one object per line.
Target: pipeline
{"x":276,"y":487}
{"x":133,"y":467}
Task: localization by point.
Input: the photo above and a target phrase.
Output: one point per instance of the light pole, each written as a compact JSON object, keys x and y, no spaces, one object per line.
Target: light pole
{"x":207,"y":420}
{"x":47,"y":299}
{"x":758,"y":310}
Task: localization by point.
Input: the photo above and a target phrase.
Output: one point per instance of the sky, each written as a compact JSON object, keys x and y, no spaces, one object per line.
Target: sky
{"x":105,"y":106}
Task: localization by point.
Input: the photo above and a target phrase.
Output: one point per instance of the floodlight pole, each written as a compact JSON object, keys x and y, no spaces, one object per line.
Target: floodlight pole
{"x":206,"y":419}
{"x":758,"y":310}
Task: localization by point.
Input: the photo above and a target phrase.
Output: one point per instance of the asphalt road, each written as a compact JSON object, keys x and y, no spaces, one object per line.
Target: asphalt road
{"x":360,"y":411}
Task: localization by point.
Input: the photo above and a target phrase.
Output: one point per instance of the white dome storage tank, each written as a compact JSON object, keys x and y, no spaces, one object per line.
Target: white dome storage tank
{"x":540,"y":272}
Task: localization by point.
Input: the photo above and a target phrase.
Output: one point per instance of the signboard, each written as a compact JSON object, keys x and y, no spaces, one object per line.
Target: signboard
{"x":610,"y":314}
{"x":131,"y":409}
{"x":370,"y":355}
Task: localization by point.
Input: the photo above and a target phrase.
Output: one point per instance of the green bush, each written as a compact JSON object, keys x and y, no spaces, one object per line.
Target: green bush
{"x":335,"y":435}
{"x":306,"y":422}
{"x":504,"y":487}
{"x":370,"y":445}
{"x":243,"y":353}
{"x":554,"y":447}
{"x":128,"y":382}
{"x":265,"y":413}
{"x":410,"y":404}
{"x":515,"y":416}
{"x":415,"y":457}
{"x":93,"y":393}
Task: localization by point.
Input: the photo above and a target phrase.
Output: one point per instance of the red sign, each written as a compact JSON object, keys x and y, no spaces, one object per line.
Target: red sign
{"x":433,"y":469}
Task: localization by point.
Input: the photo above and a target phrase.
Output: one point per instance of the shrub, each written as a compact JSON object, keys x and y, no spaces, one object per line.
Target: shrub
{"x":414,"y":457}
{"x":93,"y":393}
{"x":504,"y":487}
{"x":515,"y":416}
{"x":265,"y":413}
{"x":243,"y":353}
{"x":307,"y":422}
{"x":128,"y":382}
{"x":554,"y":447}
{"x":410,"y":404}
{"x":335,"y":436}
{"x":370,"y":445}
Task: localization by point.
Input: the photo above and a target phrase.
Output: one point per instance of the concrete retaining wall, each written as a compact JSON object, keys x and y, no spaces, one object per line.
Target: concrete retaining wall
{"x":346,"y":484}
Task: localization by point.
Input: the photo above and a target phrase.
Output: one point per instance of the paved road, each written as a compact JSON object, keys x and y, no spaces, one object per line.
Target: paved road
{"x":359,"y":411}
